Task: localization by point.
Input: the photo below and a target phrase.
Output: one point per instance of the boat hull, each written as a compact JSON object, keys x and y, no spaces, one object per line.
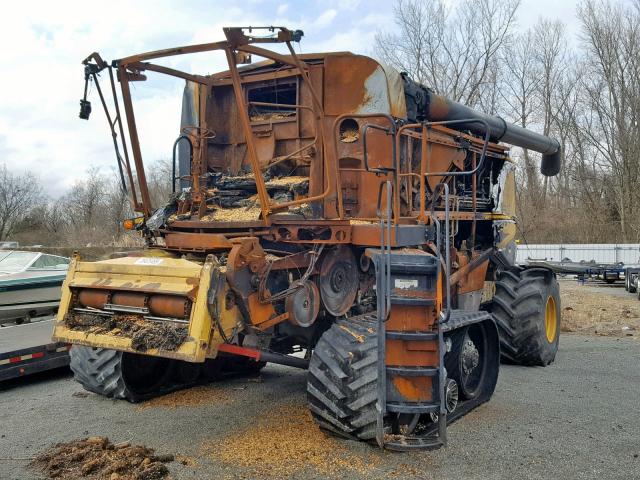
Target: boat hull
{"x":22,"y":298}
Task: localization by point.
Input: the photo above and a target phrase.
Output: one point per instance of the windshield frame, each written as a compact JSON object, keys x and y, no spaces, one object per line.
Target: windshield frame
{"x":9,"y":267}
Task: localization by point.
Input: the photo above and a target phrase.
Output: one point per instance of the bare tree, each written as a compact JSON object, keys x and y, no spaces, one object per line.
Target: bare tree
{"x":611,"y":39}
{"x":18,"y":194}
{"x":550,"y":54}
{"x":159,"y":182}
{"x":520,"y":84}
{"x":452,"y":52}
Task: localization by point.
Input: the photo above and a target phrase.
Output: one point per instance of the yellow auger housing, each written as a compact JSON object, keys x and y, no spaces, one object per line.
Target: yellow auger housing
{"x":158,"y":305}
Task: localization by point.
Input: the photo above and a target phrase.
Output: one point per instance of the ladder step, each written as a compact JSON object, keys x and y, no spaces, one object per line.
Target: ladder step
{"x":412,"y":301}
{"x":413,"y":371}
{"x":397,"y":407}
{"x":411,"y":336}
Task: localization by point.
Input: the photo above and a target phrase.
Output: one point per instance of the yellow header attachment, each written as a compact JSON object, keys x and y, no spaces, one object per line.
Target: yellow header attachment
{"x":155,"y":305}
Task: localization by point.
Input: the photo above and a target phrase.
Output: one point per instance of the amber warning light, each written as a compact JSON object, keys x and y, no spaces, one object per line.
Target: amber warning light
{"x":132,"y":223}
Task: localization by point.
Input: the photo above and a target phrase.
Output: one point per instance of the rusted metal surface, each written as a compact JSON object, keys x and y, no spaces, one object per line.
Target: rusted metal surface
{"x":129,"y":299}
{"x":341,"y":125}
{"x":93,"y":298}
{"x":197,"y":241}
{"x":360,"y":88}
{"x":171,"y":306}
{"x":168,"y":306}
{"x":338,"y":280}
{"x":246,"y":126}
{"x":246,"y":261}
{"x":135,"y":143}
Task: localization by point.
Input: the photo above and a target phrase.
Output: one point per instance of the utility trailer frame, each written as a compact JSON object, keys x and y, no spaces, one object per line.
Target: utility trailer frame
{"x":27,"y":349}
{"x":607,"y":272}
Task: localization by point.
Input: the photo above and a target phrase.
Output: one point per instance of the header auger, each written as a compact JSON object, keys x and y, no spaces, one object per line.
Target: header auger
{"x":325,"y":204}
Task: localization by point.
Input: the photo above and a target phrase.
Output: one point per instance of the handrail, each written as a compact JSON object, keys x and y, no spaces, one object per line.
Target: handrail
{"x":423,"y":162}
{"x":447,"y":260}
{"x":385,"y":247}
{"x":173,"y":163}
{"x":280,"y":206}
{"x":485,"y":146}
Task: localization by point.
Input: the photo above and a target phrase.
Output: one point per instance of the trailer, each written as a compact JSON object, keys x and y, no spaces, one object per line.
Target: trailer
{"x":607,"y":272}
{"x":27,"y":349}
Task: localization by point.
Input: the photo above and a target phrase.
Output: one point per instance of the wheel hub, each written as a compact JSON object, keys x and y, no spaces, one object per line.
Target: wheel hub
{"x":338,"y":281}
{"x":303,"y":305}
{"x":338,"y":277}
{"x":550,"y":319}
{"x":470,"y":356}
{"x":450,"y":399}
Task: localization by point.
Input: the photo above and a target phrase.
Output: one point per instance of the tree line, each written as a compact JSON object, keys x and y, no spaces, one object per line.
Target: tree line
{"x":583,"y":91}
{"x":90,"y":213}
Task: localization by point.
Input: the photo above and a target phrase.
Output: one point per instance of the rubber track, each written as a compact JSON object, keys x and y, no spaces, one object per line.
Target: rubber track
{"x":518,"y":308}
{"x":342,"y":379}
{"x":99,"y":371}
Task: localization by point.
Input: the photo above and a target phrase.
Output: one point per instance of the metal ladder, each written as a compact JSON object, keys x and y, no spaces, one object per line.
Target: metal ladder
{"x":391,"y":266}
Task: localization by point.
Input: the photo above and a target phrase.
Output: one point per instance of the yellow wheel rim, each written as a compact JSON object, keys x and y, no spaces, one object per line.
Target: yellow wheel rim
{"x":551,"y":319}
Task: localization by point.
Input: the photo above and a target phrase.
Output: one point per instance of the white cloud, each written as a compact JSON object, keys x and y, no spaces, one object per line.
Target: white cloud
{"x":325,"y":19}
{"x":42,"y":82}
{"x":44,"y":42}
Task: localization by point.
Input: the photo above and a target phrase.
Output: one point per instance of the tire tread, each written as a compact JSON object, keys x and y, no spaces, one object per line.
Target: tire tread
{"x":342,"y":379}
{"x":518,"y":308}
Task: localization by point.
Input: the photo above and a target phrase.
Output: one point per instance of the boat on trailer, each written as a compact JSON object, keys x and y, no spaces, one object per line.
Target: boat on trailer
{"x":30,"y":284}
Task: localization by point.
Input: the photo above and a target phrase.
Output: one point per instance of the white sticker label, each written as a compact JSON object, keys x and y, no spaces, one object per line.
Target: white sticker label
{"x":148,"y":261}
{"x":405,"y":283}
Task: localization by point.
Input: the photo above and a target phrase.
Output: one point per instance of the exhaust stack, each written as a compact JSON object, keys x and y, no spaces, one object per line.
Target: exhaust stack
{"x":435,"y":108}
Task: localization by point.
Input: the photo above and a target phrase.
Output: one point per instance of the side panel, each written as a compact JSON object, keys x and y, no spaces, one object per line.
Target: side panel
{"x":505,"y":196}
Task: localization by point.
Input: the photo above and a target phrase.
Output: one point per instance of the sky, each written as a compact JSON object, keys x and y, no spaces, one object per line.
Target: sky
{"x":44,"y":42}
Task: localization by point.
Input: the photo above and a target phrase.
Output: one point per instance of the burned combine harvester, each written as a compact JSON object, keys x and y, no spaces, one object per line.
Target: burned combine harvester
{"x":325,"y":204}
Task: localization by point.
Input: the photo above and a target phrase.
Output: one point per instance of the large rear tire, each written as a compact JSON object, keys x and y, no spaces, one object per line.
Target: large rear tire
{"x":342,"y":379}
{"x":526,"y":308}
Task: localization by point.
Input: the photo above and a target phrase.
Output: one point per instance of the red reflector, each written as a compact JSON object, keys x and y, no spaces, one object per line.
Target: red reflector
{"x":242,"y":351}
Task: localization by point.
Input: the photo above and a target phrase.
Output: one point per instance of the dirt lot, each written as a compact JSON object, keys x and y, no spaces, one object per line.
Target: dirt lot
{"x":599,"y":309}
{"x":577,"y":418}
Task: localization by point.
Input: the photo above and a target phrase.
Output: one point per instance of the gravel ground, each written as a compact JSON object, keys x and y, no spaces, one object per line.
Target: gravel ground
{"x":596,"y":308}
{"x":577,"y":418}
